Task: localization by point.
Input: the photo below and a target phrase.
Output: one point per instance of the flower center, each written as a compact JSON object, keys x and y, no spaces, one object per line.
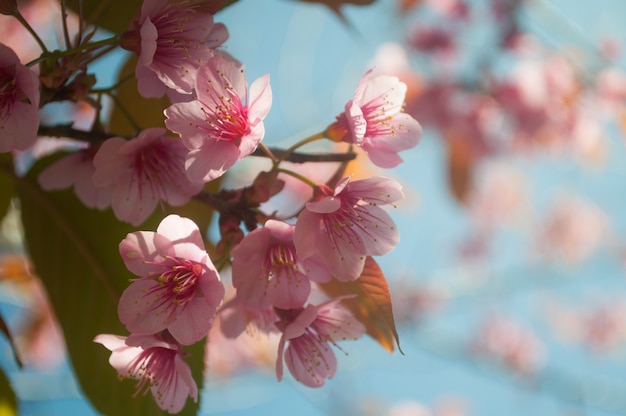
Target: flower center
{"x":8,"y":94}
{"x":152,"y":367}
{"x":280,"y":261}
{"x":177,"y":286}
{"x":158,"y":167}
{"x":226,"y":117}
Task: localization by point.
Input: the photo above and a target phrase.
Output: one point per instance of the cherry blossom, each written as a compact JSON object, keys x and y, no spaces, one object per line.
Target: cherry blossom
{"x":573,"y":230}
{"x":157,"y":363}
{"x":143,"y":172}
{"x":217,"y":127}
{"x":178,"y":288}
{"x":267,"y":271}
{"x":307,"y":333}
{"x":374,"y":120}
{"x":76,"y":170}
{"x":341,"y":227}
{"x":172,"y":39}
{"x":19,"y":103}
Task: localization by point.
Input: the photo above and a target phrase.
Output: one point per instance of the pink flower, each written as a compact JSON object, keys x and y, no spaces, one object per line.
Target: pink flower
{"x":19,"y":103}
{"x":374,"y":121}
{"x":217,"y":127}
{"x":267,"y":271}
{"x":573,"y":230}
{"x":143,"y":172}
{"x":308,"y":332}
{"x":156,"y":361}
{"x":436,"y":40}
{"x":178,"y":288}
{"x":76,"y":170}
{"x":342,"y":227}
{"x":509,"y":344}
{"x":172,"y":39}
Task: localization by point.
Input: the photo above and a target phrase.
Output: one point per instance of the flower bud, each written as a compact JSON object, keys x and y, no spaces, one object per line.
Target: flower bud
{"x":8,"y":7}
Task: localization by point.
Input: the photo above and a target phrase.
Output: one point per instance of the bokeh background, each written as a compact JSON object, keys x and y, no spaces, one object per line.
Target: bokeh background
{"x":508,"y":284}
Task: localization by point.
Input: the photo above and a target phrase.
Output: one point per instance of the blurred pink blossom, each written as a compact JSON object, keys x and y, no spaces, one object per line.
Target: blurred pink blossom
{"x":572,"y":230}
{"x":499,"y":196}
{"x":38,"y":338}
{"x":435,"y":40}
{"x":509,"y":344}
{"x":599,"y":325}
{"x":226,"y":356}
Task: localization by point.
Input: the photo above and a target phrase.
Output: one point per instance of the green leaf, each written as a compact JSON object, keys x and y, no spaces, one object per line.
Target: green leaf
{"x":371,"y":305}
{"x":7,"y":183}
{"x":75,"y":252}
{"x":8,"y":403}
{"x":112,"y":15}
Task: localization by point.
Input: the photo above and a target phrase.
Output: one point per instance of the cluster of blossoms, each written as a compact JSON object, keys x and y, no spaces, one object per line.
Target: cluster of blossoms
{"x":279,"y":265}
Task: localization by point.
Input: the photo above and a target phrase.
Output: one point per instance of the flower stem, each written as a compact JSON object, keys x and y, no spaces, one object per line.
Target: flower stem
{"x":268,"y":152}
{"x":66,"y":33}
{"x":30,"y":29}
{"x":107,"y":90}
{"x":298,"y":176}
{"x":293,"y":148}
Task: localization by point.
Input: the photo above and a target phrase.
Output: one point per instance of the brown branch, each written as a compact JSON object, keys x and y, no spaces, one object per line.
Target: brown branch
{"x":66,"y":130}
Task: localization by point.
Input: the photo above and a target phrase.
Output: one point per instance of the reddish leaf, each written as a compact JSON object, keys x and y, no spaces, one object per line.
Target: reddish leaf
{"x":371,"y":305}
{"x":461,"y":159}
{"x":406,"y":6}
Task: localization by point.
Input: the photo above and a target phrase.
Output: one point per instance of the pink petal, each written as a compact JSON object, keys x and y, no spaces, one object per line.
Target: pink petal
{"x":324,"y":206}
{"x":135,"y":308}
{"x":301,"y":323}
{"x":378,"y":190}
{"x":131,"y":202}
{"x":384,"y":91}
{"x":210,"y":161}
{"x":148,"y":83}
{"x":108,"y":165}
{"x":185,"y":119}
{"x":250,"y":140}
{"x":260,"y":100}
{"x":184,"y":234}
{"x":111,"y":342}
{"x":149,"y":35}
{"x":356,"y":122}
{"x":310,"y":361}
{"x":194,"y":322}
{"x":139,"y":250}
